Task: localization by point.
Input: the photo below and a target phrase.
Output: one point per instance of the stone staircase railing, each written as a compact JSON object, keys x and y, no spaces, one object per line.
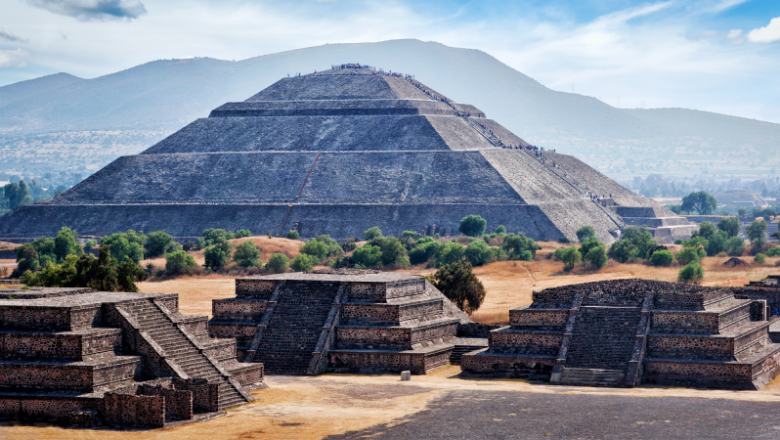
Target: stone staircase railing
{"x":319,"y":360}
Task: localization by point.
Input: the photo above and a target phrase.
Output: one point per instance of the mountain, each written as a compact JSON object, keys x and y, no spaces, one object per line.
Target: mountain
{"x":161,"y":96}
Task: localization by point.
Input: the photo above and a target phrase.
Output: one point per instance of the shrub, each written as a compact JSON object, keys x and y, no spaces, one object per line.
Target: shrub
{"x":735,"y":246}
{"x":247,"y":255}
{"x":662,"y":258}
{"x":372,"y":233}
{"x":478,"y":253}
{"x":692,"y":273}
{"x":218,"y":255}
{"x":585,"y":233}
{"x":730,"y":225}
{"x":423,"y":251}
{"x":688,"y":255}
{"x":159,"y":243}
{"x":349,"y":245}
{"x":321,"y":247}
{"x":756,"y":232}
{"x":500,"y":230}
{"x":458,"y":283}
{"x":570,"y":256}
{"x":760,"y":258}
{"x":292,"y":234}
{"x":66,"y":243}
{"x":706,"y":230}
{"x":773,"y":252}
{"x":635,"y":242}
{"x":241,"y":233}
{"x":472,"y":225}
{"x":303,"y":263}
{"x":717,"y":243}
{"x":277,"y":263}
{"x":622,"y":251}
{"x":367,"y":256}
{"x":563,"y":239}
{"x":410,"y":234}
{"x":596,"y":255}
{"x":212,"y":236}
{"x":393,"y":251}
{"x":179,"y":262}
{"x":90,"y":245}
{"x":515,"y":244}
{"x":125,"y":245}
{"x":450,"y":253}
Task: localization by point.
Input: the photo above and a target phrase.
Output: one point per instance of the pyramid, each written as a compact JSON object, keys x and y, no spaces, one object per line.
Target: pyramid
{"x":338,"y":152}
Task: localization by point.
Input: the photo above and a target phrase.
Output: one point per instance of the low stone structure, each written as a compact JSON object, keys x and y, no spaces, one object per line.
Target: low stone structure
{"x":341,"y":320}
{"x":624,"y":332}
{"x":81,"y":357}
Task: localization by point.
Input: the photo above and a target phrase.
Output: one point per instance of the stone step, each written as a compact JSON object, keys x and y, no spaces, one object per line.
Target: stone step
{"x":591,"y":377}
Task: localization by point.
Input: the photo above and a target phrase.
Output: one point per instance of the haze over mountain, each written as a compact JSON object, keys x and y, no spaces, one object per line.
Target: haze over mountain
{"x":61,"y":120}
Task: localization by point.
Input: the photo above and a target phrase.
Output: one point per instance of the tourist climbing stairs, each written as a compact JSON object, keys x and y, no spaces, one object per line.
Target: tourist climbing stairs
{"x":601,"y":345}
{"x":288,"y":343}
{"x":178,"y":347}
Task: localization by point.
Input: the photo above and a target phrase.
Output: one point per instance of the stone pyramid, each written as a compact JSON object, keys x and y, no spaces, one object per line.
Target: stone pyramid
{"x":338,"y":152}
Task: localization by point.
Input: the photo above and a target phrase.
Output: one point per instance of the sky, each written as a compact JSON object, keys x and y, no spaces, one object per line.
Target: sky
{"x":715,"y":55}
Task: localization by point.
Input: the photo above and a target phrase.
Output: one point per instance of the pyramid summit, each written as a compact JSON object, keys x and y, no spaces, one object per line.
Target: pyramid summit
{"x":337,"y":152}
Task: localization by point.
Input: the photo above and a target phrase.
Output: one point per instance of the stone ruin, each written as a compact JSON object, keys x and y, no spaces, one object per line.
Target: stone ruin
{"x":338,"y":152}
{"x":87,"y":358}
{"x":626,"y":332}
{"x":344,"y":320}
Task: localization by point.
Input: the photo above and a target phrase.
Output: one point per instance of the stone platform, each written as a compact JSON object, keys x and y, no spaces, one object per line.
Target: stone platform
{"x":346,"y":320}
{"x":625,"y":332}
{"x":87,"y":358}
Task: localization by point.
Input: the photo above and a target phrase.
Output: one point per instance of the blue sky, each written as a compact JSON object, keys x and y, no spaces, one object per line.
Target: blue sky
{"x":717,"y":55}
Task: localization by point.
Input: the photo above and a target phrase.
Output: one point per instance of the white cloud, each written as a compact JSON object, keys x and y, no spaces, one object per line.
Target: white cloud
{"x":767,"y":34}
{"x":13,"y":58}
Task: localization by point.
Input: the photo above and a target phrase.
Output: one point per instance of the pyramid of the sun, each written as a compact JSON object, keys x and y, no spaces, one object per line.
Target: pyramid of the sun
{"x":338,"y":152}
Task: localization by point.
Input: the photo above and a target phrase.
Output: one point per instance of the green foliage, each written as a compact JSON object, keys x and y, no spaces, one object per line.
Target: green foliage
{"x":247,"y":255}
{"x":756,"y":232}
{"x":689,"y":255}
{"x":367,"y":256}
{"x":303,"y":263}
{"x":500,"y":230}
{"x":159,"y":243}
{"x":321,"y":247}
{"x":179,"y":263}
{"x":90,"y":245}
{"x":458,"y":283}
{"x":212,"y":236}
{"x":570,"y":256}
{"x":450,"y":253}
{"x":759,"y":258}
{"x":773,"y":252}
{"x":424,"y":250}
{"x":706,"y":230}
{"x":393,"y":252}
{"x":717,"y":243}
{"x":15,"y":194}
{"x":585,"y":233}
{"x":636,"y":242}
{"x":410,"y":234}
{"x":66,"y":243}
{"x":701,"y":202}
{"x":349,"y":245}
{"x":515,"y":246}
{"x":241,"y":233}
{"x":478,"y":253}
{"x":472,"y":225}
{"x":741,"y":211}
{"x":277,"y":263}
{"x":372,"y":233}
{"x":596,"y":255}
{"x":292,"y":234}
{"x":692,"y":273}
{"x":735,"y":246}
{"x":125,"y":245}
{"x":662,"y":258}
{"x":217,"y":256}
{"x":563,"y":239}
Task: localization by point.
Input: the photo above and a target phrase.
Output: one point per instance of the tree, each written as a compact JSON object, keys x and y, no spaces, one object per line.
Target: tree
{"x":472,"y":225}
{"x":717,"y":243}
{"x":478,"y":253}
{"x":218,"y":255}
{"x":90,"y":245}
{"x":516,"y":245}
{"x":621,"y":251}
{"x":372,"y":233}
{"x":211,"y":236}
{"x":393,"y":251}
{"x":759,"y":258}
{"x":741,"y":211}
{"x":570,"y":256}
{"x":292,"y":234}
{"x":756,"y":232}
{"x":449,"y":253}
{"x":458,"y":283}
{"x":706,"y":230}
{"x":730,"y":225}
{"x":179,"y":262}
{"x":303,"y":263}
{"x":26,"y":259}
{"x":16,"y":194}
{"x":701,"y":202}
{"x":321,"y":247}
{"x":692,"y":273}
{"x":66,"y":243}
{"x":500,"y":230}
{"x":247,"y":255}
{"x":367,"y":256}
{"x":159,"y":243}
{"x":585,"y":233}
{"x":125,"y":245}
{"x":277,"y":263}
{"x":662,"y":258}
{"x":735,"y":246}
{"x":596,"y":255}
{"x":688,"y":255}
{"x":242,"y":233}
{"x":424,"y":250}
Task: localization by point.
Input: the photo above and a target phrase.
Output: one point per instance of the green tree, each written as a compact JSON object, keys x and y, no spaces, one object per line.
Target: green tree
{"x":717,"y":243}
{"x":372,"y":233}
{"x":516,"y":245}
{"x":451,"y":252}
{"x":662,"y":258}
{"x":570,"y":256}
{"x":315,"y":248}
{"x":701,"y":202}
{"x":247,"y":255}
{"x":16,"y":195}
{"x":179,"y":263}
{"x":478,"y":253}
{"x":159,"y":243}
{"x":217,"y":256}
{"x":87,"y":271}
{"x":472,"y":225}
{"x":66,"y":243}
{"x":622,"y":251}
{"x":367,"y":256}
{"x":500,"y":230}
{"x":277,"y":263}
{"x":756,"y":232}
{"x":125,"y":245}
{"x":735,"y":246}
{"x":689,"y":255}
{"x":596,"y":255}
{"x":393,"y":251}
{"x":292,"y":234}
{"x":90,"y":245}
{"x":212,"y":236}
{"x":692,"y":273}
{"x":741,"y":211}
{"x":242,"y":233}
{"x":585,"y":233}
{"x":706,"y":230}
{"x":458,"y":283}
{"x":636,"y":242}
{"x":303,"y":263}
{"x":759,"y":258}
{"x":424,"y":251}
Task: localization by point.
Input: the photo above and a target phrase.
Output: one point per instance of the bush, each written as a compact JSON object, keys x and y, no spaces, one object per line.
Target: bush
{"x":90,"y":245}
{"x":662,"y":258}
{"x":159,"y":243}
{"x":292,"y":234}
{"x":596,"y":255}
{"x":241,"y":233}
{"x":218,"y":255}
{"x":717,"y":243}
{"x":212,"y":236}
{"x":458,"y":283}
{"x":303,"y":263}
{"x":563,"y":239}
{"x":500,"y":230}
{"x":730,"y":225}
{"x":515,"y":244}
{"x":409,"y":235}
{"x":636,"y":242}
{"x":585,"y":233}
{"x":735,"y":246}
{"x":277,"y":263}
{"x":393,"y":252}
{"x":621,"y":251}
{"x":372,"y":233}
{"x":773,"y":252}
{"x":450,"y":253}
{"x":688,"y":255}
{"x":125,"y":245}
{"x":478,"y":253}
{"x":66,"y":243}
{"x":472,"y":225}
{"x":321,"y":247}
{"x":570,"y":256}
{"x":706,"y":230}
{"x":423,"y":251}
{"x":247,"y":255}
{"x":367,"y":256}
{"x":759,"y":258}
{"x":179,"y":262}
{"x":349,"y":245}
{"x":692,"y":273}
{"x":756,"y":232}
